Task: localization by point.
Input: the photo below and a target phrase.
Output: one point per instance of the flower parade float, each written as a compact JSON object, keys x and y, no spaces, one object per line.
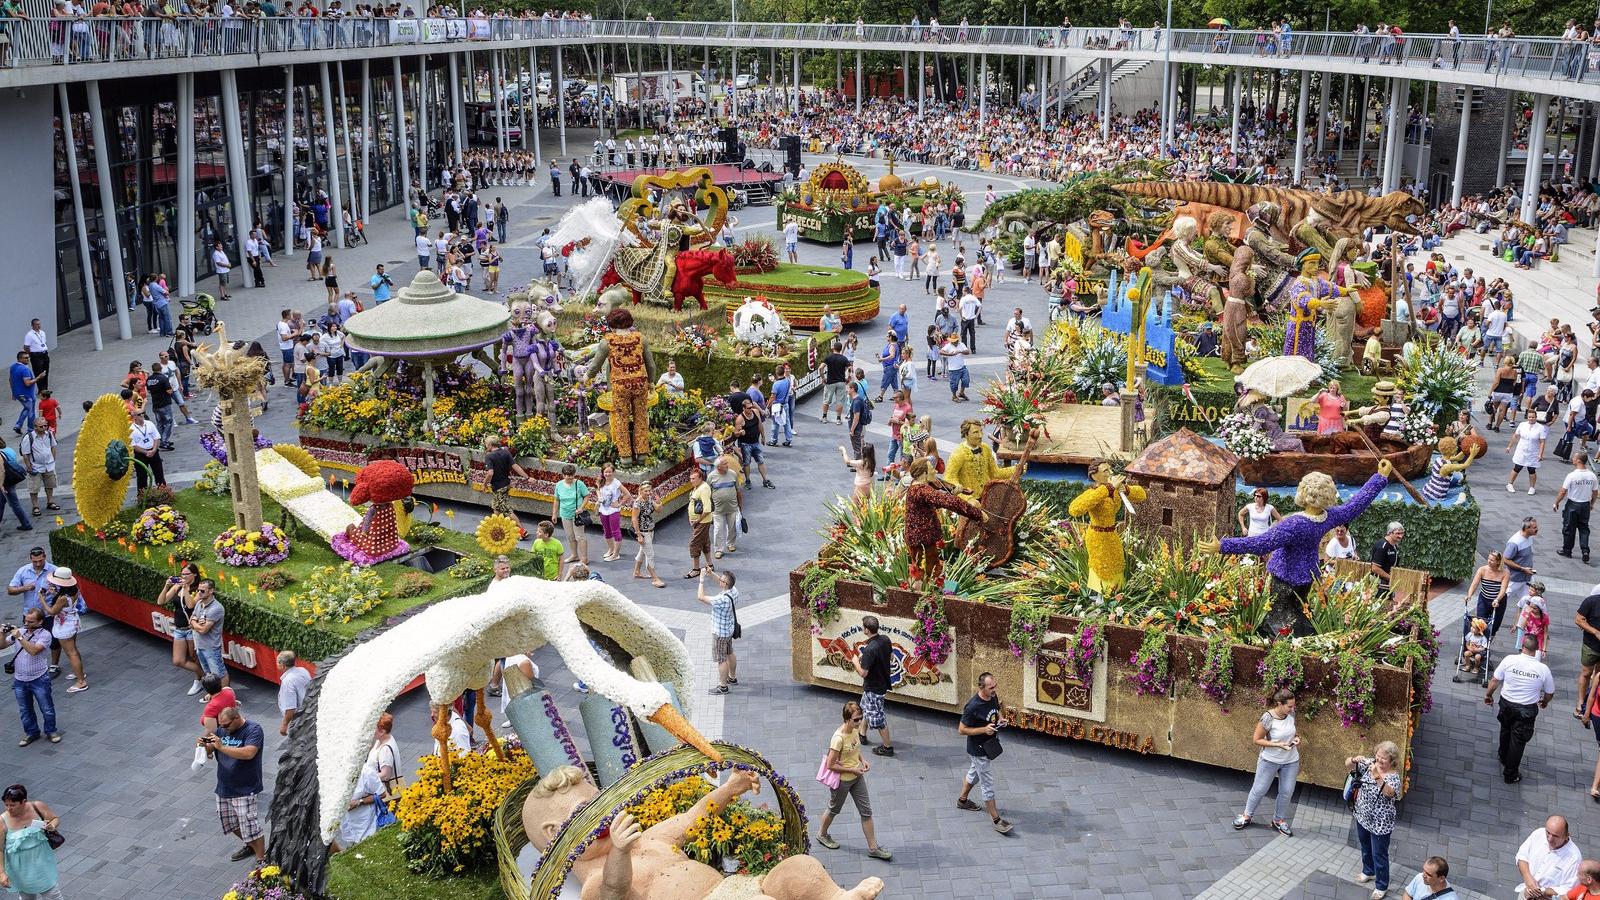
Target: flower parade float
{"x":836,"y":198}
{"x":434,"y":394}
{"x":1155,"y":664}
{"x":646,"y":807}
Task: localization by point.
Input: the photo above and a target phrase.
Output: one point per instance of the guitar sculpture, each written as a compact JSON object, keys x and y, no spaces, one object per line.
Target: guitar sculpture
{"x":1004,"y":502}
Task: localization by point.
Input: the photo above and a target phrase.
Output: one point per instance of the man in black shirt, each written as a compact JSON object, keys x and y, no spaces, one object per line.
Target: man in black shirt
{"x":501,"y":464}
{"x":836,"y":373}
{"x":158,"y":387}
{"x":980,"y":722}
{"x":1588,"y":620}
{"x":873,"y":666}
{"x":1386,"y":553}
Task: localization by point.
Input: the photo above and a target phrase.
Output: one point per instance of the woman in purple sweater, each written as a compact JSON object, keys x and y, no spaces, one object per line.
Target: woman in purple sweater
{"x":1293,"y":543}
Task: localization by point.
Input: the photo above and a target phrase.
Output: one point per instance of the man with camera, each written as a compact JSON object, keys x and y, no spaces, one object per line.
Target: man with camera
{"x":236,"y":745}
{"x":30,"y":675}
{"x":382,"y":287}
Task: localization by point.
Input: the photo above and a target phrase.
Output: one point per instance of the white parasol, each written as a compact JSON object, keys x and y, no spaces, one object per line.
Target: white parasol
{"x":1280,"y":376}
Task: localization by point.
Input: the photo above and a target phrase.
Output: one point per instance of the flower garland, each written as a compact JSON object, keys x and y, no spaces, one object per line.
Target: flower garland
{"x":1150,"y":664}
{"x":337,"y":594}
{"x":1029,"y":623}
{"x":1280,"y":668}
{"x":160,"y":525}
{"x":237,"y":547}
{"x":1216,"y":671}
{"x":498,"y":534}
{"x":933,"y":641}
{"x":264,"y":883}
{"x":448,"y":834}
{"x":1086,"y":650}
{"x":1353,"y":691}
{"x":820,"y":588}
{"x":1240,"y":434}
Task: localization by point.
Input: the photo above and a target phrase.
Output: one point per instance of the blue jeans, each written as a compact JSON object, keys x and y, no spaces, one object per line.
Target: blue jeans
{"x":211,"y":662}
{"x":25,"y":417}
{"x":1374,"y":856}
{"x":12,"y":500}
{"x":894,"y":449}
{"x":959,"y":380}
{"x":784,"y":430}
{"x":28,"y":693}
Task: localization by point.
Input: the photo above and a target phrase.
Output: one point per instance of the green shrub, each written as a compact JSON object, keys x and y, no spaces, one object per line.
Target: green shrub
{"x":274,"y":580}
{"x":412,"y":584}
{"x":469,"y":567}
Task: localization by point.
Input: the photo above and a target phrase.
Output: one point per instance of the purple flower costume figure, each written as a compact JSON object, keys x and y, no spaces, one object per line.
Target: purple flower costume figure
{"x":1294,"y":541}
{"x":1306,"y":293}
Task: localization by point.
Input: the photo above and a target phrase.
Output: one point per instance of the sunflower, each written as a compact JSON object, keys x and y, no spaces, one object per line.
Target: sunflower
{"x":101,"y":461}
{"x":300,"y":459}
{"x":498,"y":534}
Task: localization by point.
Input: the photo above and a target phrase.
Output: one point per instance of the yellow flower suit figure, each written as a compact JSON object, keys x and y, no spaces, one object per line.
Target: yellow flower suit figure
{"x":1100,"y":503}
{"x":972,"y":464}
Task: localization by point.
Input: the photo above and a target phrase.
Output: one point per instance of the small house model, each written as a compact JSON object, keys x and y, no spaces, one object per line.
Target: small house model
{"x":1192,"y":485}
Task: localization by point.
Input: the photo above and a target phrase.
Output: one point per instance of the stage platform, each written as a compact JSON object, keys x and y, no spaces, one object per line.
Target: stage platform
{"x":759,"y":187}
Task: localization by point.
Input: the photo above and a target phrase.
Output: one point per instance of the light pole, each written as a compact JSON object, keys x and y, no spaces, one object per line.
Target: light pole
{"x":1171,"y":119}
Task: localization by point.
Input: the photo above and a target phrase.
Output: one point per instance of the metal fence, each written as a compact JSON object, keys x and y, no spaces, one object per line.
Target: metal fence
{"x":67,"y":41}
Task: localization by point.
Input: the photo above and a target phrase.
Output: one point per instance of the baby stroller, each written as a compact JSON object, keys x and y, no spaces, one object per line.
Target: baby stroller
{"x":1473,"y":668}
{"x":199,"y":315}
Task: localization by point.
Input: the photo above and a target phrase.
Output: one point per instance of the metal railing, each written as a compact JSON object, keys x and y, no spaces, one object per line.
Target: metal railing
{"x":67,"y":41}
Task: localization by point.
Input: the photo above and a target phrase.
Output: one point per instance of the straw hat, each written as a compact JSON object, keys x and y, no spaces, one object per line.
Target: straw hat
{"x":63,"y":577}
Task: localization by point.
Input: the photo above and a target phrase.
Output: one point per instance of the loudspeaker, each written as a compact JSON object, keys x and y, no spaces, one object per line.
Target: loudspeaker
{"x":764,"y":167}
{"x":747,"y":165}
{"x":730,"y":144}
{"x":790,"y":144}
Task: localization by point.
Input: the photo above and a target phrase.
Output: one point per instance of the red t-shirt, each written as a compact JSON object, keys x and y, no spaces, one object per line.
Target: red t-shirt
{"x":221,"y":701}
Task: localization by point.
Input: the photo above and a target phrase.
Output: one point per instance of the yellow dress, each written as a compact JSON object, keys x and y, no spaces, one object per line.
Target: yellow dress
{"x":971,"y":468}
{"x":1107,"y":566}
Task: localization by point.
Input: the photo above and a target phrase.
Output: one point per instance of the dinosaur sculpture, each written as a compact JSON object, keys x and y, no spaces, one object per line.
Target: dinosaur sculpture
{"x":1347,"y":213}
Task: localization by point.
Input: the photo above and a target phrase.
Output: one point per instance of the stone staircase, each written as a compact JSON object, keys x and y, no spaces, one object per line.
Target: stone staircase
{"x":1563,"y":290}
{"x":1089,"y":90}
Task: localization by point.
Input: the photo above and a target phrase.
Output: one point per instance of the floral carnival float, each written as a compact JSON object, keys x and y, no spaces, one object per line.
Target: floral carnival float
{"x":1152,"y":662}
{"x":644,"y":809}
{"x":270,"y":549}
{"x":836,"y":198}
{"x":450,"y":377}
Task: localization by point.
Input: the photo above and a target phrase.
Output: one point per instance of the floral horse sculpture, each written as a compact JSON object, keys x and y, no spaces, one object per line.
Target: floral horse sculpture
{"x":377,"y":538}
{"x":692,"y":267}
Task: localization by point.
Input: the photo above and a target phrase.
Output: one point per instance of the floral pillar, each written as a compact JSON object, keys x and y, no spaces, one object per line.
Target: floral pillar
{"x":238,"y":436}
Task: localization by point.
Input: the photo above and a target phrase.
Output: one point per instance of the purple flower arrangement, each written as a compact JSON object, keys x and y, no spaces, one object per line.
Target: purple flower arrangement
{"x":1083,"y":652}
{"x":213,"y":443}
{"x":1216,"y":672}
{"x":264,"y":883}
{"x":933,"y":631}
{"x":238,"y":547}
{"x":1150,"y":670}
{"x":348,"y":549}
{"x":1353,"y":691}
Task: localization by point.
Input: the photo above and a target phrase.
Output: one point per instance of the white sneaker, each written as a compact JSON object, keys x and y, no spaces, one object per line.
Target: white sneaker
{"x":1530,"y":491}
{"x":1379,"y":895}
{"x":194,"y":688}
{"x":1363,"y":878}
{"x":1511,"y":488}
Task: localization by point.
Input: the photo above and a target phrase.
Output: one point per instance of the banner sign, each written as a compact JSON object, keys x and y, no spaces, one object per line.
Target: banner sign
{"x":404,"y":31}
{"x":835,"y":650}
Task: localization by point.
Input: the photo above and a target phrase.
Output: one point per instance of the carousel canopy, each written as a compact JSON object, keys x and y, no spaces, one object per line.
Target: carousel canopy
{"x":427,"y":319}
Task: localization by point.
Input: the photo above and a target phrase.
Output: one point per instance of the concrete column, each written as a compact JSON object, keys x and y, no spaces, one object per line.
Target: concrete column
{"x":838,"y":71}
{"x":533,"y":87}
{"x":423,"y":99}
{"x":1422,"y":156}
{"x":523,"y":94}
{"x":1238,"y":100}
{"x":92,"y":305}
{"x":496,"y":87}
{"x":402,"y":134}
{"x":858,"y":82}
{"x":1505,"y":139}
{"x":108,"y":208}
{"x":456,"y":108}
{"x":795,"y":104}
{"x":1322,"y":113}
{"x":922,"y":85}
{"x":733,"y":83}
{"x":1300,"y":127}
{"x":1361,"y":121}
{"x":1594,"y":152}
{"x":1534,"y":170}
{"x":672,"y":89}
{"x":335,"y":192}
{"x":238,"y":171}
{"x":1105,"y":99}
{"x":983,"y":85}
{"x":970,"y":74}
{"x":1393,"y":126}
{"x":366,"y":141}
{"x":185,"y":185}
{"x":1042,"y":81}
{"x":350,"y":183}
{"x":561,"y":102}
{"x":1459,"y":176}
{"x":1344,"y":111}
{"x":905,"y":73}
{"x":288,"y":158}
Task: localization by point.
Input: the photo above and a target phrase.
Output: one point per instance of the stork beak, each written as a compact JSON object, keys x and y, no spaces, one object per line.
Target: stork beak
{"x":676,"y":725}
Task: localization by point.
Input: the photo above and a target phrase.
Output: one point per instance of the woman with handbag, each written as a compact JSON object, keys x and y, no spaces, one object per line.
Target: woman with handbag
{"x":361,"y":812}
{"x":1371,"y":790}
{"x":844,"y":773}
{"x":1279,"y":761}
{"x":28,"y":861}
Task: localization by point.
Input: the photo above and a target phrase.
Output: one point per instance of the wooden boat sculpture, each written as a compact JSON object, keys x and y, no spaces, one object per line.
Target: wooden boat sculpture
{"x":1342,"y":456}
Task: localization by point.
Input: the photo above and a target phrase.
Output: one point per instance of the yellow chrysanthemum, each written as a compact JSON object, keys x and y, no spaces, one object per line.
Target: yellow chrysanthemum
{"x":498,"y":534}
{"x":300,"y":459}
{"x":97,"y":495}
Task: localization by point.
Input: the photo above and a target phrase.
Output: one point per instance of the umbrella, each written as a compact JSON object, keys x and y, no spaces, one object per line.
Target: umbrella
{"x":1280,"y":376}
{"x":1220,"y":22}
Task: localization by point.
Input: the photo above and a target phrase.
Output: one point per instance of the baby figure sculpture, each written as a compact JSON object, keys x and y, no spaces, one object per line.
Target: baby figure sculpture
{"x":534,"y":356}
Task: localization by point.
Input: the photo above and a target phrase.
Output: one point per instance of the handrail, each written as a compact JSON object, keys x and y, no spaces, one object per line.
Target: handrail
{"x":77,"y":41}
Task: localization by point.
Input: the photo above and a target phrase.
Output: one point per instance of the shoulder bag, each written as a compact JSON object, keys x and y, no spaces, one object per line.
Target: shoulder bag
{"x":55,"y":838}
{"x":738,"y":630}
{"x":991,"y":748}
{"x":1352,"y":788}
{"x":826,"y":776}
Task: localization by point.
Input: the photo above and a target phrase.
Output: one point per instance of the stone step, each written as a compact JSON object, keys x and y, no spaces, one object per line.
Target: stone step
{"x":1563,"y":290}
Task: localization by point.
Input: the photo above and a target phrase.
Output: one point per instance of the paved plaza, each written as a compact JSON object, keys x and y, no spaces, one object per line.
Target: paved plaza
{"x":1090,"y":821}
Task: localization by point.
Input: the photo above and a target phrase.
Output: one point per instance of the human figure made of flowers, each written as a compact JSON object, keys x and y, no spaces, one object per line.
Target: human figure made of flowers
{"x":632,"y":372}
{"x":1293,"y":544}
{"x":380,"y":484}
{"x":972,"y":464}
{"x":1309,"y":291}
{"x":924,"y":534}
{"x":1099,"y":503}
{"x":627,"y":862}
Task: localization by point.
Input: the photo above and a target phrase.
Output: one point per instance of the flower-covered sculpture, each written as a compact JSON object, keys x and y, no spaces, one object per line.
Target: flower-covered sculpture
{"x":1294,"y":543}
{"x":756,"y":321}
{"x":101,"y":462}
{"x":381,"y":484}
{"x":632,"y":372}
{"x":1100,"y":503}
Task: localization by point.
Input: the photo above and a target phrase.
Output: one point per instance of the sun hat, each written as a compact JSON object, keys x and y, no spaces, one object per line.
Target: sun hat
{"x":63,"y":577}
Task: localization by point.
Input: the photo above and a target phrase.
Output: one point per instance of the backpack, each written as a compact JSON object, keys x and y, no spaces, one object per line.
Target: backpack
{"x":866,"y":412}
{"x":15,"y":472}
